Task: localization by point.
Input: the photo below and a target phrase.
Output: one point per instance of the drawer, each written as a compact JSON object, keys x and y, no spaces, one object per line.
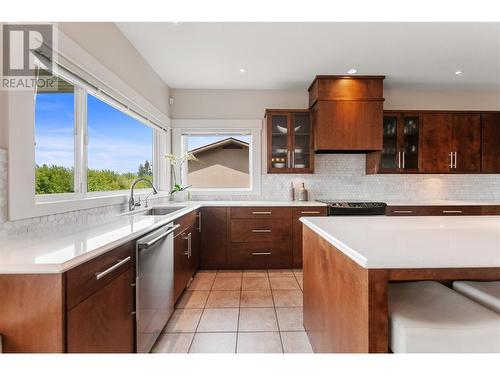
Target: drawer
{"x":491,"y":210}
{"x":402,"y":211}
{"x":433,"y":210}
{"x":308,"y":211}
{"x":85,"y":279}
{"x":261,"y":255}
{"x":261,"y":230}
{"x":186,"y":221}
{"x":261,"y":213}
{"x":450,"y":210}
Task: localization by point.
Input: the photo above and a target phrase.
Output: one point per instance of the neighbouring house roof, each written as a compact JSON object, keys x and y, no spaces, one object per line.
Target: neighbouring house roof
{"x":222,"y":143}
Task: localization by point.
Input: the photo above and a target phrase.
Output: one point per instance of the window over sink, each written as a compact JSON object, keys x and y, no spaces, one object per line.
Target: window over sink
{"x":85,"y":143}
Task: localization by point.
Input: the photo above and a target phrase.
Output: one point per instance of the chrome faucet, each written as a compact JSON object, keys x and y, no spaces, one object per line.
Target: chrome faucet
{"x":132,"y":204}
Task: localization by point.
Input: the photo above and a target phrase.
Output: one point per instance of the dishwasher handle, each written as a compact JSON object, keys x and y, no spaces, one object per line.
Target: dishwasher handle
{"x":156,"y":239}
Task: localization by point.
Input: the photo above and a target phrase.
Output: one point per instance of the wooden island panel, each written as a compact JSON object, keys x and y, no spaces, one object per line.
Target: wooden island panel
{"x":345,"y":305}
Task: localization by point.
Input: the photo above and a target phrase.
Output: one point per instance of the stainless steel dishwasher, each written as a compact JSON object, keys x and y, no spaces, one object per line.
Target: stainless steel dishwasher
{"x":154,"y":285}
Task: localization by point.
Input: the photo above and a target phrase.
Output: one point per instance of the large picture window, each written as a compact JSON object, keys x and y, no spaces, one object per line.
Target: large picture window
{"x":87,"y":143}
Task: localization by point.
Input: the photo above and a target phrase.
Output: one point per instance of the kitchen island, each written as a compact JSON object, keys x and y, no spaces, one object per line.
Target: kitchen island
{"x":350,"y":261}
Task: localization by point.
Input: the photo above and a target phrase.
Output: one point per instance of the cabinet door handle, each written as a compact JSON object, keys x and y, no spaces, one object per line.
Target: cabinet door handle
{"x":452,"y":212}
{"x":262,"y":253}
{"x":100,"y":275}
{"x":456,"y":157}
{"x":403,"y":153}
{"x":402,"y":211}
{"x":188,"y":238}
{"x":261,"y":212}
{"x":261,"y":230}
{"x":288,"y":161}
{"x":199,"y":221}
{"x":399,"y":160}
{"x":310,"y":212}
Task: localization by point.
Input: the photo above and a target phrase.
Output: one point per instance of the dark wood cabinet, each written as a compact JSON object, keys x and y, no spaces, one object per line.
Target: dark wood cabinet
{"x":438,"y":142}
{"x":466,"y":142}
{"x":451,"y":143}
{"x":347,"y":113}
{"x":261,"y":237}
{"x":490,"y":141}
{"x":434,"y":210}
{"x":103,"y":322}
{"x":400,"y":145}
{"x":100,"y":303}
{"x":297,"y":230}
{"x":289,"y":141}
{"x":186,"y":251}
{"x":182,"y":267}
{"x":214,"y":237}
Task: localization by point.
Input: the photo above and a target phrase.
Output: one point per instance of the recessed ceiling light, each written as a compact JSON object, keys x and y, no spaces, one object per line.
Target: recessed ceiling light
{"x":352,"y":71}
{"x":242,"y":70}
{"x":458,"y":72}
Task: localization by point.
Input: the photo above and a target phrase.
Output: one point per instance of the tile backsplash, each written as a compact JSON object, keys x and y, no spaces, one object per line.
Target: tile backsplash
{"x":342,"y":176}
{"x":339,"y":176}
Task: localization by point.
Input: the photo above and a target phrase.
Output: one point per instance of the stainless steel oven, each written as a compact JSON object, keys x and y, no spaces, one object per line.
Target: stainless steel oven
{"x":154,"y":285}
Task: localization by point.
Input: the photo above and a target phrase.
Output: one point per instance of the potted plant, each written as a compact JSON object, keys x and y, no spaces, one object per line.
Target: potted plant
{"x":176,"y":163}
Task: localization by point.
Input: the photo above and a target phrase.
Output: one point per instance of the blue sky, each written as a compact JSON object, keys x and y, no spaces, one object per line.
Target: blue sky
{"x":116,"y":141}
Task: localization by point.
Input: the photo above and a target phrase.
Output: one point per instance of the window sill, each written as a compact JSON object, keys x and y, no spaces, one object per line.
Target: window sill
{"x":66,"y":204}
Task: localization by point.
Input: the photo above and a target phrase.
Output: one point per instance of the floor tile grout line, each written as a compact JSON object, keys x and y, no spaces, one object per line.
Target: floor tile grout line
{"x":277,"y":322}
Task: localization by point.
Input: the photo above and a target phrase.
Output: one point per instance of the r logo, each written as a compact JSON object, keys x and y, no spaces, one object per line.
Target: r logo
{"x":20,"y":43}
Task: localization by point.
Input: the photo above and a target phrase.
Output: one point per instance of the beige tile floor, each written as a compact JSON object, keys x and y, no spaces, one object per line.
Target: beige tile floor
{"x":250,"y":311}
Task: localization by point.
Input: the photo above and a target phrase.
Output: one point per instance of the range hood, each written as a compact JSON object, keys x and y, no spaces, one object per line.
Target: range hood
{"x":347,"y":113}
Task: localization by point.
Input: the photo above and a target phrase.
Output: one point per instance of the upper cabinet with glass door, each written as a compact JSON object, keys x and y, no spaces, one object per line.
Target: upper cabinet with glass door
{"x":289,"y":141}
{"x":400,"y":148}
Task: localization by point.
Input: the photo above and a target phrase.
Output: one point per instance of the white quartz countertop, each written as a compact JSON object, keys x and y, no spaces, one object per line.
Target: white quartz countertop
{"x":443,"y":202}
{"x":413,"y":242}
{"x":59,"y":251}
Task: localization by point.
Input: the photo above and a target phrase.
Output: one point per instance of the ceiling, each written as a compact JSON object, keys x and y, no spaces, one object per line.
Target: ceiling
{"x":289,"y":55}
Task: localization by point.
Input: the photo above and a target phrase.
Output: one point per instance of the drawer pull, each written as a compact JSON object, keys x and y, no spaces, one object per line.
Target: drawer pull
{"x":265,"y":253}
{"x":100,"y":275}
{"x":402,"y":211}
{"x":310,"y":212}
{"x":261,"y":212}
{"x":261,"y":230}
{"x":452,"y":211}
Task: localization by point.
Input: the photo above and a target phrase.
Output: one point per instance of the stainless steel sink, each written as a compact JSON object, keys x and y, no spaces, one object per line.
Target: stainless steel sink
{"x":160,"y":211}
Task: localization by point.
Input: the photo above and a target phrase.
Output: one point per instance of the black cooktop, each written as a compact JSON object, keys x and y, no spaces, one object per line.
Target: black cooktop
{"x":352,"y":208}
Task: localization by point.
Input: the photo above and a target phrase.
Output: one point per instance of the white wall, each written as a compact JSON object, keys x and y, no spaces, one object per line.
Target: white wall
{"x":232,"y":104}
{"x":105,"y":42}
{"x":251,"y":104}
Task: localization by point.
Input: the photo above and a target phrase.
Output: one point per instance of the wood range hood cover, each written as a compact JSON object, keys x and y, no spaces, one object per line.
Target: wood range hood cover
{"x":347,"y":113}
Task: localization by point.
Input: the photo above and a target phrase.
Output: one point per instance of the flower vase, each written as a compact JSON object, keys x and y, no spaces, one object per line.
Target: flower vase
{"x":180,"y":196}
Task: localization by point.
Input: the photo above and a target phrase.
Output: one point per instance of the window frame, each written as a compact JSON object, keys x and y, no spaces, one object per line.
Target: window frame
{"x":180,"y":128}
{"x":81,"y":141}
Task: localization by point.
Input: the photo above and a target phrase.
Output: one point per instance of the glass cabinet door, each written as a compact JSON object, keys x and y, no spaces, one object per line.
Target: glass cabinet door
{"x":280,"y":151}
{"x":410,"y":143}
{"x":390,"y":152}
{"x":301,"y":131}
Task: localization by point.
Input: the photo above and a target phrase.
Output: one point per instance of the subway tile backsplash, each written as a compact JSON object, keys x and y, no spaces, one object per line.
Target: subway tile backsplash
{"x":338,"y":176}
{"x":342,"y":176}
